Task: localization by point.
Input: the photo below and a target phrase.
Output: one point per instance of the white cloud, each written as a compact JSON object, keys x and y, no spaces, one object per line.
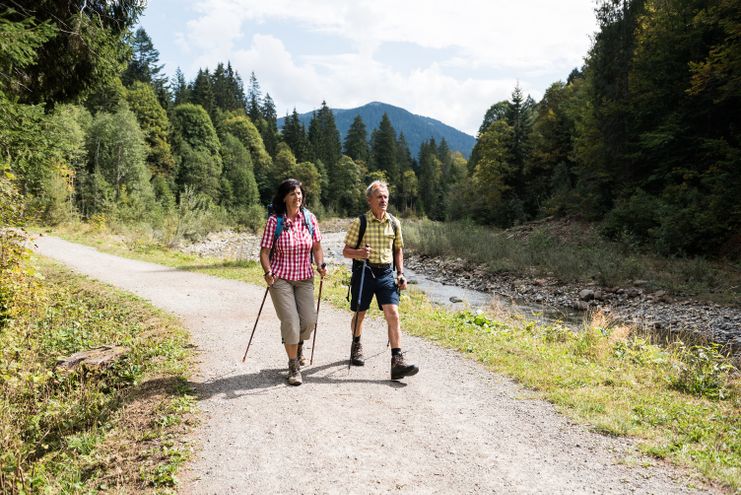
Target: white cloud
{"x":527,"y":41}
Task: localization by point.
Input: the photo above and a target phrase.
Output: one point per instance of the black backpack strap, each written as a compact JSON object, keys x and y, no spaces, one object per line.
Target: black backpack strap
{"x":361,"y":231}
{"x":395,"y":226}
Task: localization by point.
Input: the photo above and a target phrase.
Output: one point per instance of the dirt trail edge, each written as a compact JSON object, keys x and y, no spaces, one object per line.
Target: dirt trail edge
{"x":453,"y":428}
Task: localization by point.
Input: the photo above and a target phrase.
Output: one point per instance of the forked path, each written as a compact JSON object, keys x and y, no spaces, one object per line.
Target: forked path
{"x":453,"y":428}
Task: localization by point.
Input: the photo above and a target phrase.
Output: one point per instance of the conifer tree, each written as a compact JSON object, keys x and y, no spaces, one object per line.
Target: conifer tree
{"x":324,"y":138}
{"x":384,"y":150}
{"x":254,"y":99}
{"x":269,"y":129}
{"x":294,"y":135}
{"x":144,"y":66}
{"x":202,"y":92}
{"x":324,"y":141}
{"x":180,"y":89}
{"x":356,"y":141}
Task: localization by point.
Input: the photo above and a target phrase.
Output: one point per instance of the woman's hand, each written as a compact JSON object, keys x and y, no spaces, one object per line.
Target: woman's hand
{"x":322,"y":269}
{"x":269,"y":279}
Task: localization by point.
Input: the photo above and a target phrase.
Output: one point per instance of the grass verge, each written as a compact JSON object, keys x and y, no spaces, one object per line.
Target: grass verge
{"x":681,"y":403}
{"x":90,"y":431}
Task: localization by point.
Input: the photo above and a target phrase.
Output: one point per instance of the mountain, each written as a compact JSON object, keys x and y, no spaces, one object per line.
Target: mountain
{"x":416,"y":128}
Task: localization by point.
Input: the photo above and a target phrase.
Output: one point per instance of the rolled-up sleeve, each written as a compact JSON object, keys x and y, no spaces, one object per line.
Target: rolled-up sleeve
{"x":268,"y":233}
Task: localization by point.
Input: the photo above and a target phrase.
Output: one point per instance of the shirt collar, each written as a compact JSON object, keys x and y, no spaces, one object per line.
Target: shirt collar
{"x":369,"y":214}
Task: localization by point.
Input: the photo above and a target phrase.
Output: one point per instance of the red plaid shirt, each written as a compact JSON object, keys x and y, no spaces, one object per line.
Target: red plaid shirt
{"x":291,"y":258}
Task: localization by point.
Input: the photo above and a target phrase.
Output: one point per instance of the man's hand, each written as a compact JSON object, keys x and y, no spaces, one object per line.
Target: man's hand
{"x":401,"y":281}
{"x":365,"y":252}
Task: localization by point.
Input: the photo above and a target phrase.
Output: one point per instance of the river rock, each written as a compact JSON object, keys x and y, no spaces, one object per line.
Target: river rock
{"x":455,"y":299}
{"x":586,"y":294}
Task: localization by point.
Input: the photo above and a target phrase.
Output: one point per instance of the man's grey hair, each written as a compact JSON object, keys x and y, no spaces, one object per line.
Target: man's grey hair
{"x":375,"y":185}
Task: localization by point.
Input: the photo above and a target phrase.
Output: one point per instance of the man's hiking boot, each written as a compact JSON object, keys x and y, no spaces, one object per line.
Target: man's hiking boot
{"x":300,"y":354}
{"x":400,"y":369}
{"x":294,"y":372}
{"x":356,"y":354}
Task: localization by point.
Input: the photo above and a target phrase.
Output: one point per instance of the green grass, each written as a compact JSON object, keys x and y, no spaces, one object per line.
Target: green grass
{"x":574,"y":253}
{"x":85,"y":431}
{"x":682,"y":403}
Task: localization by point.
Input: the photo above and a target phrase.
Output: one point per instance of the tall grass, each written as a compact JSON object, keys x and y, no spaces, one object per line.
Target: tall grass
{"x":69,"y":431}
{"x":574,"y":258}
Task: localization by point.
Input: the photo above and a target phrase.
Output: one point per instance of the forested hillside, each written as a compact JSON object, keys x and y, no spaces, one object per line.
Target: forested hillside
{"x":644,"y":137}
{"x":415,"y":128}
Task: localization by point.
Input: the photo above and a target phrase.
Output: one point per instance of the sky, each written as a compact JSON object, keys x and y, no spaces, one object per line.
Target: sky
{"x":446,"y":60}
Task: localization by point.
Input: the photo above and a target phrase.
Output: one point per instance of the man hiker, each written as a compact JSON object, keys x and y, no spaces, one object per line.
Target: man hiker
{"x":375,"y":243}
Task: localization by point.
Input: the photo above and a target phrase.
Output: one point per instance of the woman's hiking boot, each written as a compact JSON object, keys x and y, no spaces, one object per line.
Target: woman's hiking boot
{"x":356,"y":354}
{"x":294,"y":372}
{"x":400,"y":369}
{"x":300,"y":354}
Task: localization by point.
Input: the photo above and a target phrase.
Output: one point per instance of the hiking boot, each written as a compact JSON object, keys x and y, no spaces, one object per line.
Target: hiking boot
{"x":294,"y":372}
{"x":300,"y":354}
{"x":356,"y":354}
{"x":400,"y":369}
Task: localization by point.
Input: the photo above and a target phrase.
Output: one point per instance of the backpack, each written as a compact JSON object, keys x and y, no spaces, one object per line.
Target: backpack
{"x":279,"y":228}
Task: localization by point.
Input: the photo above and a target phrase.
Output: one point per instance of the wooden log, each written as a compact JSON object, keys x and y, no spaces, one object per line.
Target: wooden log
{"x":98,"y":358}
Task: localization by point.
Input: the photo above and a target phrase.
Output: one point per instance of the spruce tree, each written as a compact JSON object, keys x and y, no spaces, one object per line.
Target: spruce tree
{"x":356,"y":141}
{"x":269,"y":129}
{"x":202,"y":92}
{"x":254,"y":98}
{"x":180,"y":89}
{"x":383,"y":150}
{"x":324,"y":140}
{"x":294,"y":135}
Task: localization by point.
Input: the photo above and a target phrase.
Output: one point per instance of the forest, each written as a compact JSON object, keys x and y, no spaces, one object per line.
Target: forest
{"x":643,"y":138}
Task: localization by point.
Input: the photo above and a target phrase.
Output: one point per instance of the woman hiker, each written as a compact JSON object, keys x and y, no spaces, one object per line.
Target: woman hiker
{"x":290,"y":240}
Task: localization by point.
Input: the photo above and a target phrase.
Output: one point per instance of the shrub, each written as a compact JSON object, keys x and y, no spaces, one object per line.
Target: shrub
{"x":702,"y":370}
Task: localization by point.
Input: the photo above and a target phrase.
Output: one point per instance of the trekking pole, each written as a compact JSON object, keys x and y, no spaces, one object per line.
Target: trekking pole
{"x":357,"y":311}
{"x":316,"y":324}
{"x":256,"y":320}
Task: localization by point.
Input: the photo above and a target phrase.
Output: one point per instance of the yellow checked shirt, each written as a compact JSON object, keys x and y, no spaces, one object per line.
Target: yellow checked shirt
{"x":379,"y":235}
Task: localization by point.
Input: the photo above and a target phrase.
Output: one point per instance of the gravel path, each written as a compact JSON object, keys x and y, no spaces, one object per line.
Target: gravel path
{"x":453,"y":428}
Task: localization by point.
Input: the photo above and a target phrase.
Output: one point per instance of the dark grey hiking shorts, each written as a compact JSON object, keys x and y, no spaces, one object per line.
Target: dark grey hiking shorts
{"x":379,"y":282}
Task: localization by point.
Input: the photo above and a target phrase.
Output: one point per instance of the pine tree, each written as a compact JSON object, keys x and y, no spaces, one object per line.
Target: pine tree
{"x":324,"y":140}
{"x":383,"y":150}
{"x":356,"y":141}
{"x":269,"y":131}
{"x":294,"y":135}
{"x":144,"y":66}
{"x":254,"y":98}
{"x":228,"y":93}
{"x":202,"y":92}
{"x":430,"y":180}
{"x":180,"y":91}
{"x":403,"y":155}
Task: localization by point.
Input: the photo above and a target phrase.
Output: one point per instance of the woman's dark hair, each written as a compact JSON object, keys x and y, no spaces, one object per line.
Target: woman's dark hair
{"x":285,"y":187}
